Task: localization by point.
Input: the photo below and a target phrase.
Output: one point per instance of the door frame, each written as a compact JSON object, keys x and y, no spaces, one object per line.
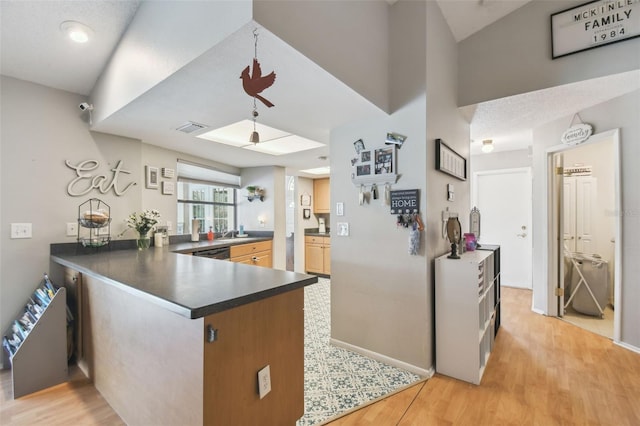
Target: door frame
{"x":474,"y":201}
{"x":552,"y":258}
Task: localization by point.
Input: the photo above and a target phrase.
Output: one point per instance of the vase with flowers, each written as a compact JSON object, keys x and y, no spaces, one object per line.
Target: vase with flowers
{"x":143,"y":223}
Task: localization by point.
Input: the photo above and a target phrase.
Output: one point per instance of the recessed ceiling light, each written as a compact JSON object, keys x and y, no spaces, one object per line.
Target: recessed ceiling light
{"x":76,"y":31}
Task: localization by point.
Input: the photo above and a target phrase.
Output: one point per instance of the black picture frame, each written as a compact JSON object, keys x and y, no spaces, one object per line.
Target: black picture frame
{"x":450,"y":162}
{"x":570,"y":35}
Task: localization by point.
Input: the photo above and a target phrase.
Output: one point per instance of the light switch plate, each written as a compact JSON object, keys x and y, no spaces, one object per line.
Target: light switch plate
{"x":264,"y":381}
{"x":21,"y":230}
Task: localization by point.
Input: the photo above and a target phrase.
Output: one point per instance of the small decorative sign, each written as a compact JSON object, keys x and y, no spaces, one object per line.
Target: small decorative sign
{"x":594,"y":24}
{"x":405,"y":201}
{"x":168,"y":188}
{"x":577,"y":134}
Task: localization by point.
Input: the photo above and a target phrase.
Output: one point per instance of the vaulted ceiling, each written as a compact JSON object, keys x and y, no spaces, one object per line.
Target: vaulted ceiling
{"x":208,"y":91}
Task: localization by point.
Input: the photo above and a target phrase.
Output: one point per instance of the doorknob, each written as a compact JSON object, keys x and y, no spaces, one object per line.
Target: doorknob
{"x":523,"y":235}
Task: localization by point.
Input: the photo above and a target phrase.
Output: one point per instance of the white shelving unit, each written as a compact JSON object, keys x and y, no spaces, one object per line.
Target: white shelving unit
{"x":465,"y":314}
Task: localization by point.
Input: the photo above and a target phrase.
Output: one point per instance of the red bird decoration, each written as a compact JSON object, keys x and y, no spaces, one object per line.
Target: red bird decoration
{"x":256,"y":83}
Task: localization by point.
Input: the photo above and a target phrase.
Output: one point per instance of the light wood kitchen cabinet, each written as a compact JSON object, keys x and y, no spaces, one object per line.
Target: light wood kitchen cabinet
{"x":317,"y":257}
{"x":322,"y":200}
{"x":258,"y":254}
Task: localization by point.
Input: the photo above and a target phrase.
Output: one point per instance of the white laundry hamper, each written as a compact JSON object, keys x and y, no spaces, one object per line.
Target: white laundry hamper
{"x":589,"y":284}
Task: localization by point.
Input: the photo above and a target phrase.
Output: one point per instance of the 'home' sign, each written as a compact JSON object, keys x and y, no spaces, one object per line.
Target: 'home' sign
{"x":405,"y":201}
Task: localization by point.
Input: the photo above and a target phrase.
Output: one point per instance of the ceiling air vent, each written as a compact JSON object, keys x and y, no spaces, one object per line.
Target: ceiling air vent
{"x":190,"y":127}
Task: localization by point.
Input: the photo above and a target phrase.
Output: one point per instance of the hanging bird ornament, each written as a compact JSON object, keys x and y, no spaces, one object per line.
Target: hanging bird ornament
{"x":255,"y":83}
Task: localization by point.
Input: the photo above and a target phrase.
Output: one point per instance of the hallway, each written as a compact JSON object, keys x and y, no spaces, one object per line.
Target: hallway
{"x":542,"y":371}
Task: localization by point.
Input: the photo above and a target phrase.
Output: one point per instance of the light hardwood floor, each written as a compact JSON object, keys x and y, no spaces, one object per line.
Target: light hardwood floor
{"x":543,"y":371}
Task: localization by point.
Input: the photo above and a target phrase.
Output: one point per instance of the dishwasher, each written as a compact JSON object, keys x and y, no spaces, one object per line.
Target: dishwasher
{"x":214,"y":253}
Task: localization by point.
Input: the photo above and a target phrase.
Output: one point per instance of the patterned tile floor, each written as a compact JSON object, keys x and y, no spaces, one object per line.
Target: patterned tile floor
{"x":337,"y":380}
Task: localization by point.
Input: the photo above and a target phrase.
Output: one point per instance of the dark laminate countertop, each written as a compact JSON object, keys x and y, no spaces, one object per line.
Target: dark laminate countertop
{"x":188,"y":285}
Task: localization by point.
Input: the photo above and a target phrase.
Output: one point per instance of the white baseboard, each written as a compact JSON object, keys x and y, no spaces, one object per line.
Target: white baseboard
{"x":628,"y":346}
{"x":538,"y":311}
{"x":383,"y":358}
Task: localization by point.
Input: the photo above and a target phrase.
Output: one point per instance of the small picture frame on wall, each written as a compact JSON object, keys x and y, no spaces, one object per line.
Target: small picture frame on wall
{"x":168,"y":188}
{"x":152,"y":177}
{"x":306,"y":213}
{"x":450,"y":162}
{"x":363,"y":170}
{"x":385,"y":160}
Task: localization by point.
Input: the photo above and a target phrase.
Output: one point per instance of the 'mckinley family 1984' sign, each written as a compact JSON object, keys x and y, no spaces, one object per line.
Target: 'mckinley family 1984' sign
{"x":594,"y":24}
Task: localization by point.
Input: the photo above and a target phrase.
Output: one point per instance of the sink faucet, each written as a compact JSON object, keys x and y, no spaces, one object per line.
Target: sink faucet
{"x":225,"y":233}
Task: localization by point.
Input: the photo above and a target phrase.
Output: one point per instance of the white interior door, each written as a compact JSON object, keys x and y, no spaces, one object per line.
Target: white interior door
{"x":586,"y":201}
{"x":504,"y":200}
{"x":569,"y":213}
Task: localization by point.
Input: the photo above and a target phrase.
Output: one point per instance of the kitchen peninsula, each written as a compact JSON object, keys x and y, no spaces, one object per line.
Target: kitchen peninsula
{"x":170,"y":339}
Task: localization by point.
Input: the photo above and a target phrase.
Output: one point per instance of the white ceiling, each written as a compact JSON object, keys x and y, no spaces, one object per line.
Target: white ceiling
{"x":208,"y":90}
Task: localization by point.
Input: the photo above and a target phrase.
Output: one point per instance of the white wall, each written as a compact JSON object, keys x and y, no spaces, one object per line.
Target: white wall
{"x":500,"y":160}
{"x":272,"y":209}
{"x":619,"y":113}
{"x":513,"y":56}
{"x":303,"y":186}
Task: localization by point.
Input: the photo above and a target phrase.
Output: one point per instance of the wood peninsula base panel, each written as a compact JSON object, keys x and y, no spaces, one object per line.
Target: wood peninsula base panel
{"x":155,"y":367}
{"x":250,"y":337}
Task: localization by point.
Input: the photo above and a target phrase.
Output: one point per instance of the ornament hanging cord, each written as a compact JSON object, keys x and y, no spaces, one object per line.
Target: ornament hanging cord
{"x":255,"y":57}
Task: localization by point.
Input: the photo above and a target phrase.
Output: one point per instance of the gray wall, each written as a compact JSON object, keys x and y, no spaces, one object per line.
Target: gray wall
{"x":513,"y":56}
{"x":382,"y":298}
{"x":379,"y":297}
{"x":40,"y":128}
{"x":348,"y":39}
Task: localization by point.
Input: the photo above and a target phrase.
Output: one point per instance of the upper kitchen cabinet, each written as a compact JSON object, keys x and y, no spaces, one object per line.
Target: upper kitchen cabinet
{"x":321,"y":195}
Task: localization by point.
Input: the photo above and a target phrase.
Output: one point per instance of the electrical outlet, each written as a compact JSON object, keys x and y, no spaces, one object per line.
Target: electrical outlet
{"x":264,"y":381}
{"x":72,"y":229}
{"x":169,"y":225}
